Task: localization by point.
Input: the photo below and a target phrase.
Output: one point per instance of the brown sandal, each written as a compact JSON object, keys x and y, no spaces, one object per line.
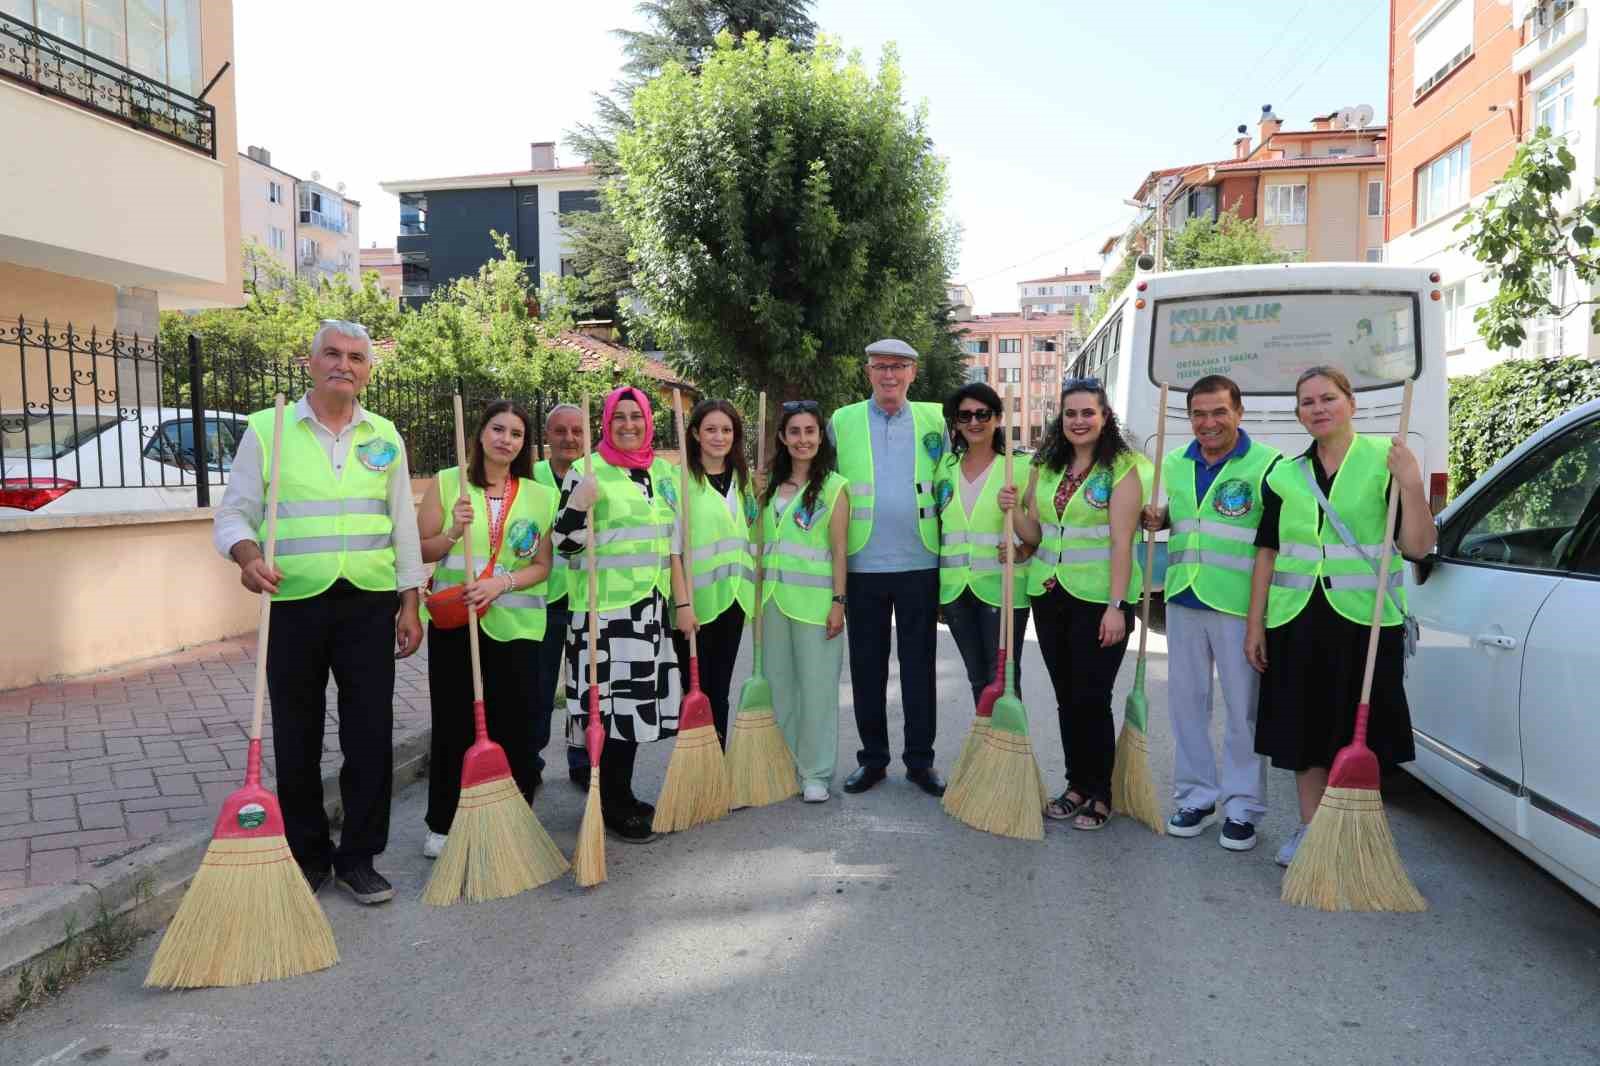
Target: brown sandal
{"x":1097,"y":819}
{"x":1062,"y":808}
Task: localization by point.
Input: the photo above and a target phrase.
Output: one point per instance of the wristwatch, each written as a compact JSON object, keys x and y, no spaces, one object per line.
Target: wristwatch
{"x":839,"y":600}
{"x":1121,"y":605}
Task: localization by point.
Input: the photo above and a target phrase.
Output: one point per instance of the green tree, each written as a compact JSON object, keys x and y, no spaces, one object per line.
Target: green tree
{"x":1532,"y":228}
{"x":784,"y":210}
{"x":1226,"y":240}
{"x":1494,"y":411}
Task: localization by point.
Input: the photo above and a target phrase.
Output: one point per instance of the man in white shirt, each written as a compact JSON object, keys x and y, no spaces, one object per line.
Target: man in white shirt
{"x":348,"y":608}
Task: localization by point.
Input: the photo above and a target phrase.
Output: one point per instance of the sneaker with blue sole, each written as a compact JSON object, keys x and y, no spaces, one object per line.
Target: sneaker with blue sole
{"x":1191,"y":821}
{"x":1285,"y":854}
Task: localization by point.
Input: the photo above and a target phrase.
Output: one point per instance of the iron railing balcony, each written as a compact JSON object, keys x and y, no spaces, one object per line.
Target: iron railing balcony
{"x":57,"y":67}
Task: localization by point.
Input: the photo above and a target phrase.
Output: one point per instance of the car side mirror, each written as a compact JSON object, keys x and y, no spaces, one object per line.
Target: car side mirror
{"x":1426,"y":564}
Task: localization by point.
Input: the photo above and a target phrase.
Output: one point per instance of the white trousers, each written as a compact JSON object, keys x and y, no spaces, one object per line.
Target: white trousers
{"x":1197,"y":642}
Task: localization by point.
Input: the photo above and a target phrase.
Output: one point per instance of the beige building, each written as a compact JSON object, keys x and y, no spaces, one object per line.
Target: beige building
{"x":1059,"y":293}
{"x":1024,"y":352}
{"x":117,"y":202}
{"x":312,"y":230}
{"x":384,"y":262}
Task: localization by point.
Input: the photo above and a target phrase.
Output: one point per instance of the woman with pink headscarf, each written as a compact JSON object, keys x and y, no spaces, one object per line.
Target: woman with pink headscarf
{"x":633,"y":497}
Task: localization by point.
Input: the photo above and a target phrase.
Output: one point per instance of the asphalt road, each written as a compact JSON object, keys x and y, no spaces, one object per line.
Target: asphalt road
{"x":875,"y":929}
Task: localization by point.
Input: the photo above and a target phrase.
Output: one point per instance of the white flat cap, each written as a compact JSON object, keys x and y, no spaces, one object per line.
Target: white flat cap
{"x":890,"y":346}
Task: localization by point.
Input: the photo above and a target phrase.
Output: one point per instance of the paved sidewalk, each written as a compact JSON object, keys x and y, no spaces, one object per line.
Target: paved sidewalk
{"x":95,"y":772}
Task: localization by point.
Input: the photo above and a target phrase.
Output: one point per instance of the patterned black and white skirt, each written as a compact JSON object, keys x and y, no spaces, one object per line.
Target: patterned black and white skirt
{"x":640,"y":684}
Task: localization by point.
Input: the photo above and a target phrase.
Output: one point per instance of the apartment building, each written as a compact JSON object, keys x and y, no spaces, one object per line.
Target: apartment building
{"x":960,"y":299}
{"x":1059,"y":293}
{"x":384,"y":262}
{"x":312,"y":231}
{"x":1024,"y":352}
{"x":121,"y":190}
{"x":1468,"y":81}
{"x":445,"y":222}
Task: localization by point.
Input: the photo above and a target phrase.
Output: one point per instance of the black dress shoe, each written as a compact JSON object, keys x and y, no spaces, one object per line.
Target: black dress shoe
{"x":928,"y":780}
{"x":316,"y":877}
{"x":864,"y":778}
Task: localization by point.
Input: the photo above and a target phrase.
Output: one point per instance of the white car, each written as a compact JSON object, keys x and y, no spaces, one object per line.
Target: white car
{"x":93,"y":460}
{"x":1505,"y":688}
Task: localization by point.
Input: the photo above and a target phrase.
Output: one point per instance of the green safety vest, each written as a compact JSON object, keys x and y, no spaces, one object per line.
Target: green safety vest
{"x":853,"y":438}
{"x":1076,"y":551}
{"x":721,"y":569}
{"x":798,"y":570}
{"x":632,"y":538}
{"x":1307,"y":554}
{"x":969,"y":547}
{"x":518,"y":615}
{"x":561,"y":575}
{"x":1213,"y":542}
{"x":332,"y":526}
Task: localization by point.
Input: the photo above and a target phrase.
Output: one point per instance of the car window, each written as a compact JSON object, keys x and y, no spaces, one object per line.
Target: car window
{"x":1531,"y":516}
{"x":49,"y":436}
{"x":174,"y":443}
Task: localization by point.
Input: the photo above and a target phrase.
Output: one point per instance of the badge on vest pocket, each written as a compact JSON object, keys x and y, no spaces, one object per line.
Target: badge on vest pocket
{"x":943,"y":493}
{"x":669,"y":493}
{"x":806,"y":519}
{"x":1234,"y":498}
{"x":750,"y":511}
{"x":933,"y":444}
{"x":523,"y":537}
{"x":1097,"y":490}
{"x":376,"y":454}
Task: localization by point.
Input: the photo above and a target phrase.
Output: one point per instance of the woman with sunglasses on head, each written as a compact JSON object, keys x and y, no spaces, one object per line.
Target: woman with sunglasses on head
{"x":713,"y":577}
{"x":1081,"y":510}
{"x":805,"y":513}
{"x":631,"y":497}
{"x":971,"y":527}
{"x":507,"y":515}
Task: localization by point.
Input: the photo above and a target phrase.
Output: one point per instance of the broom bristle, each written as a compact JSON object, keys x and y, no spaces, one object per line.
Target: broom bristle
{"x":760,"y":767}
{"x":969,"y":748}
{"x":1133,"y":790}
{"x":1005,"y":788}
{"x":696,"y":790}
{"x":248,"y":916}
{"x":496,"y":848}
{"x":1348,"y":861}
{"x":589,"y":857}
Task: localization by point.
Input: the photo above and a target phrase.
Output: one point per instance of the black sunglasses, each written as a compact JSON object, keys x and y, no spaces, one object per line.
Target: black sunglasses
{"x":1080,"y":385}
{"x":984,"y":415}
{"x":791,"y":407}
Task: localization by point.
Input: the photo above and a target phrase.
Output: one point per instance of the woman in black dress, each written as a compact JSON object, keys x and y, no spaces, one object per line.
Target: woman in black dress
{"x":1312,"y":657}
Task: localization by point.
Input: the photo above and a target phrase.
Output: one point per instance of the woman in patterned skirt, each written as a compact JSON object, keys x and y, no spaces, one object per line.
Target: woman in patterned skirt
{"x":633,"y":499}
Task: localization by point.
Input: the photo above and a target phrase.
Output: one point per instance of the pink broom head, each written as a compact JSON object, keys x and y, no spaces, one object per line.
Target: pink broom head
{"x":994,"y":689}
{"x":1355,"y":766}
{"x":594,"y":734}
{"x":249,"y":812}
{"x":695,"y":711}
{"x":485,"y":760}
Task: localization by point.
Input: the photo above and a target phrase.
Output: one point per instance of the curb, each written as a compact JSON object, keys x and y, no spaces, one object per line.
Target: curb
{"x":146,"y":885}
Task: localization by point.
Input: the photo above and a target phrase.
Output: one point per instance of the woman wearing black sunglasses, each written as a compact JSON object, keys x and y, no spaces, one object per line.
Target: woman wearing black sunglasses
{"x":971,"y":525}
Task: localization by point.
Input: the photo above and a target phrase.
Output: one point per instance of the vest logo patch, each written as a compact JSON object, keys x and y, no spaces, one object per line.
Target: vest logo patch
{"x":1233,"y":498}
{"x":806,"y":519}
{"x":749,"y":510}
{"x":933,"y":444}
{"x":377,"y":454}
{"x":943,"y":493}
{"x":669,"y":492}
{"x":1097,"y":490}
{"x":523,"y":537}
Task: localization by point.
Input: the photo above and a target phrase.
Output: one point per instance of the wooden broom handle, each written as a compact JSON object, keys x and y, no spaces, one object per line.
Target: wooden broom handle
{"x":1007,"y":606}
{"x":466,"y":556}
{"x":264,"y":624}
{"x":761,"y":514}
{"x":588,"y":551}
{"x":683,"y":514}
{"x":1385,"y":558}
{"x":1149,"y":536}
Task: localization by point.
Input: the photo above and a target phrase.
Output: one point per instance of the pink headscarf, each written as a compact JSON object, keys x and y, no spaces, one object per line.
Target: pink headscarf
{"x":635,"y":460}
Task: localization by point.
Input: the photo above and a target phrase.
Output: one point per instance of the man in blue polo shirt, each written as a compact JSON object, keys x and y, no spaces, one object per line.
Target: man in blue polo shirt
{"x":1213,"y":509}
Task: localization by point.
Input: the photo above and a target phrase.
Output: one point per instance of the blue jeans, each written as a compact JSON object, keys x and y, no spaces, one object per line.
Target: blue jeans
{"x":976,"y":628}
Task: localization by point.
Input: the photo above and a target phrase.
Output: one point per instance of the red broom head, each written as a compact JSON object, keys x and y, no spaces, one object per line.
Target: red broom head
{"x":486,"y":760}
{"x":249,"y":812}
{"x":994,"y":689}
{"x":1355,"y":766}
{"x":696,"y":709}
{"x":594,"y":734}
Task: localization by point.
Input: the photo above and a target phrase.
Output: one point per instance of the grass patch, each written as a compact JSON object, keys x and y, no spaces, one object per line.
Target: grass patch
{"x":109,"y":938}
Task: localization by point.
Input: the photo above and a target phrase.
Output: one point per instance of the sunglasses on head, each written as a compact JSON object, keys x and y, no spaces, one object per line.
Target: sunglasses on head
{"x":1080,"y":385}
{"x":974,"y":416}
{"x":791,"y":407}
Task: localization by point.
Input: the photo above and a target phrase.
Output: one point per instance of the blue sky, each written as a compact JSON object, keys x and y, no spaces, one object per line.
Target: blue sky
{"x":1049,"y":112}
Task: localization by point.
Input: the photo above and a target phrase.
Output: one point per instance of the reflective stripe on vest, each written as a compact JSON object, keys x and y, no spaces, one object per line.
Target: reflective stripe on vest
{"x":969,"y":548}
{"x":632,"y":538}
{"x":518,"y":615}
{"x":796,"y":555}
{"x":719,"y":566}
{"x":1211,"y":550}
{"x":332,"y":526}
{"x":1075,"y":548}
{"x":853,"y":438}
{"x":1310,"y":550}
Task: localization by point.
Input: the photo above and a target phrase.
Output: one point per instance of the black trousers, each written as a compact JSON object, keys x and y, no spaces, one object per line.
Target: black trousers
{"x":718,"y":645}
{"x":912,"y":599}
{"x":349,"y":632}
{"x":511,"y":678}
{"x":617,"y":800}
{"x":558,"y":623}
{"x":1082,"y":673}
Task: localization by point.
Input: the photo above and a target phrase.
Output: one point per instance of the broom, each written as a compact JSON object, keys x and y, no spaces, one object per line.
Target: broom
{"x":1348,"y":860}
{"x":248,"y":915}
{"x":760,"y":765}
{"x":1133,"y":790}
{"x":980,"y":725}
{"x":1004,"y":792}
{"x":496,"y":846}
{"x":696,"y":789}
{"x":589,"y":857}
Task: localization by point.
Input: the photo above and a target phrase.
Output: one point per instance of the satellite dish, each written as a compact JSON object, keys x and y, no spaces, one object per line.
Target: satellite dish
{"x":316,"y":175}
{"x":341,"y":186}
{"x":1346,"y":118}
{"x":1364,"y":116}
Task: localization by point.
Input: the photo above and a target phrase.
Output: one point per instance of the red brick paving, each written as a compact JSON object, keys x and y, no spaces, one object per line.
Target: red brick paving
{"x":92,"y":767}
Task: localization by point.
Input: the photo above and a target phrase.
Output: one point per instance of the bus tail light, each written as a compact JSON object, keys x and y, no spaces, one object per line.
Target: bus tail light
{"x":1139,"y":303}
{"x":1438,"y":489}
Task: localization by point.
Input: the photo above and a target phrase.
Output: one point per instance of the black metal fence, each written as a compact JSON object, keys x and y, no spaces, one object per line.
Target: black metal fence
{"x":102,"y":411}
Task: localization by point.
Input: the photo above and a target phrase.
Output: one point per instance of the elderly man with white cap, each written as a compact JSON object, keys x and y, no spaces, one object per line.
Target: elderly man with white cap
{"x":888,"y":449}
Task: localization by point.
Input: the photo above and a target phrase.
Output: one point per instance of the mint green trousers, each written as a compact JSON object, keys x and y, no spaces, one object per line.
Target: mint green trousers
{"x":804,"y":667}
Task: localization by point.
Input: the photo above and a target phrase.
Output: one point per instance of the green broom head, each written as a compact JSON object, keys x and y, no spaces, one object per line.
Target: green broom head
{"x":755,"y":697}
{"x":1010,"y":716}
{"x":1136,"y":712}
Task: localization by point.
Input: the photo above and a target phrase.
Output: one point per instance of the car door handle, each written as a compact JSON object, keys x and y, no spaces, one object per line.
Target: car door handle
{"x":1497,"y":640}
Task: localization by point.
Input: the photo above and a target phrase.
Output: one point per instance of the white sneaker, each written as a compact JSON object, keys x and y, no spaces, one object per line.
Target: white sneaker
{"x":433,"y":844}
{"x":1286,"y":853}
{"x":815,"y":792}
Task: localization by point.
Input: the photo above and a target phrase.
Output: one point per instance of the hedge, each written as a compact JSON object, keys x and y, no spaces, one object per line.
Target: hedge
{"x":1493,"y":412}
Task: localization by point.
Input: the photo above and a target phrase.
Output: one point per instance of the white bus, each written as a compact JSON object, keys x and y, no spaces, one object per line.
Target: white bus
{"x":1262,"y":325}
